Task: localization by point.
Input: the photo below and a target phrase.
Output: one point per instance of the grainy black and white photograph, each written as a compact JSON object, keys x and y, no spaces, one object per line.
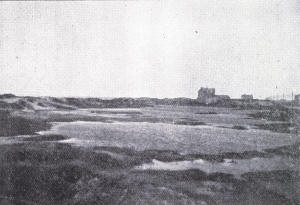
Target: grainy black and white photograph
{"x":150,"y":102}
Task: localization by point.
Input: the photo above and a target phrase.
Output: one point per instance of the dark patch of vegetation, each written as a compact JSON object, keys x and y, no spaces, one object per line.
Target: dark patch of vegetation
{"x":206,"y":113}
{"x":10,"y":106}
{"x":252,"y":192}
{"x":101,"y":103}
{"x":138,"y":118}
{"x":289,"y":119}
{"x":41,"y":104}
{"x":288,"y":179}
{"x":235,"y":127}
{"x":47,"y":173}
{"x":169,"y":155}
{"x":75,"y":117}
{"x":185,"y":175}
{"x":117,"y":112}
{"x":47,"y":152}
{"x":277,"y":112}
{"x":289,"y":150}
{"x":278,"y":175}
{"x":39,"y":173}
{"x":63,"y":107}
{"x":31,"y":99}
{"x":15,"y":125}
{"x":38,"y":153}
{"x":57,"y":100}
{"x":223,"y":127}
{"x":190,"y":175}
{"x":239,"y":127}
{"x":7,"y":95}
{"x":273,"y":115}
{"x":161,"y":155}
{"x":221,"y":177}
{"x":54,"y":173}
{"x":279,"y":127}
{"x":25,"y":104}
{"x":228,"y":155}
{"x":17,"y":105}
{"x":45,"y":138}
{"x":192,"y":123}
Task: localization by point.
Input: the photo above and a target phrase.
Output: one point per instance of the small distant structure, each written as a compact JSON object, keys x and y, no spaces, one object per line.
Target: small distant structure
{"x":247,"y":98}
{"x":297,"y":99}
{"x":208,"y":96}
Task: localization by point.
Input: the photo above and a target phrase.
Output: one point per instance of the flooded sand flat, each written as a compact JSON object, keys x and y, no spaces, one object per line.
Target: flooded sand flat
{"x":209,"y":139}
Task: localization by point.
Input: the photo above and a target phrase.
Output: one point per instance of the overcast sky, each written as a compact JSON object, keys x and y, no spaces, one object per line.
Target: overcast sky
{"x":150,"y":48}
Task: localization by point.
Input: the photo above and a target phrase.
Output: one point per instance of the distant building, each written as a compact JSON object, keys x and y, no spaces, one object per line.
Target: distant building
{"x":223,"y":97}
{"x":208,"y":96}
{"x":248,"y":98}
{"x":297,"y":99}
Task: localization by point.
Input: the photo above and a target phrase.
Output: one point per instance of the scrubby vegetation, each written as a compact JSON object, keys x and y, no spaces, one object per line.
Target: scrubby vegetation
{"x":15,"y":125}
{"x":274,"y":115}
{"x":288,"y":119}
{"x":206,"y":113}
{"x":279,"y":127}
{"x":239,"y":127}
{"x":55,"y":173}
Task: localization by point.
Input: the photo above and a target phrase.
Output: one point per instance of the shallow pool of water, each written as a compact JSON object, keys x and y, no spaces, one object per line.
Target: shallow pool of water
{"x":229,"y":166}
{"x":164,"y":136}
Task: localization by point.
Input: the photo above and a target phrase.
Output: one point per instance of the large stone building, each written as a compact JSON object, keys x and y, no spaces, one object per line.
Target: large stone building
{"x":208,"y":96}
{"x":247,"y":98}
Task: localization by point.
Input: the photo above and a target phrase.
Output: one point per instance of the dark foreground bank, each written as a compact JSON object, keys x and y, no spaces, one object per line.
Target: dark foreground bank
{"x":44,"y":172}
